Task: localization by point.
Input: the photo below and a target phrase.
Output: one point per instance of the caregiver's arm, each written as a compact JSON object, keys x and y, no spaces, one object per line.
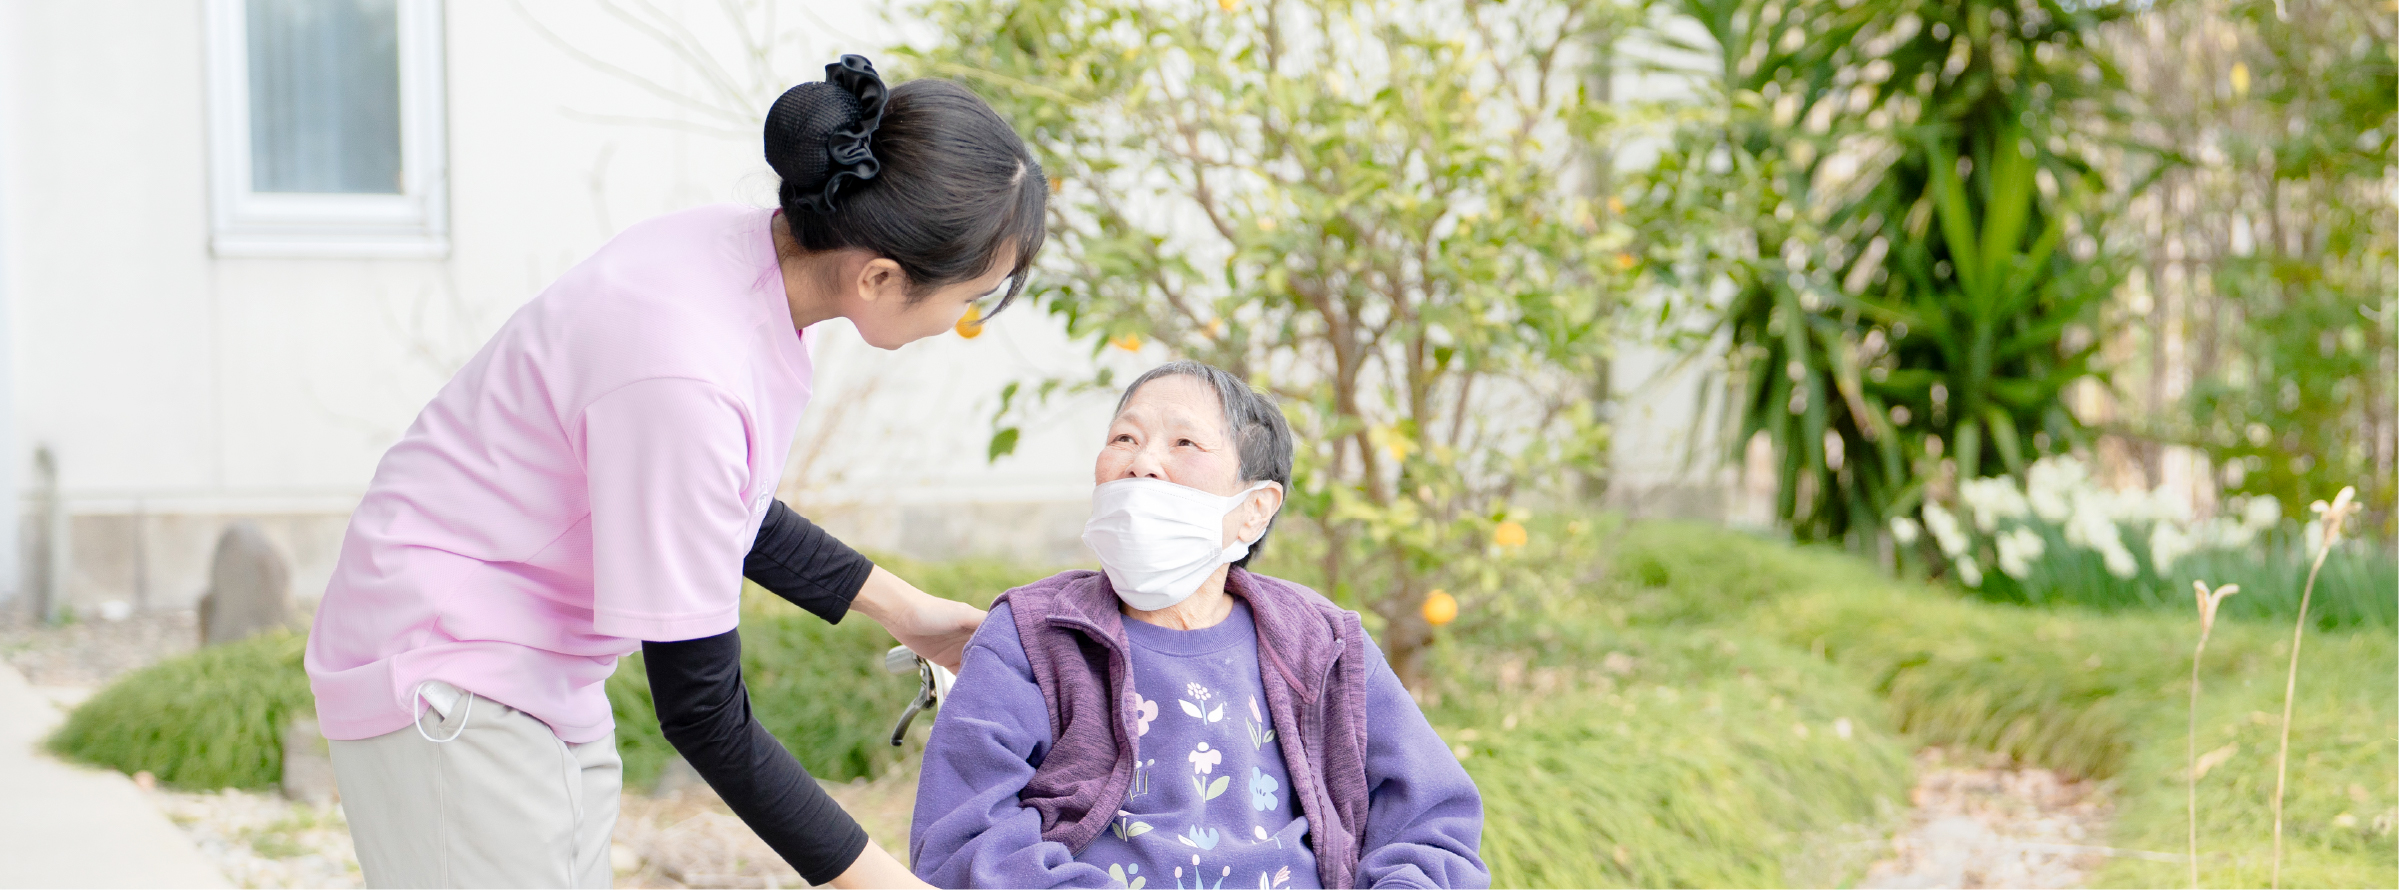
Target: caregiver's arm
{"x":796,"y":560}
{"x":969,"y":830}
{"x":667,"y":461}
{"x":705,"y":711}
{"x":1424,"y":822}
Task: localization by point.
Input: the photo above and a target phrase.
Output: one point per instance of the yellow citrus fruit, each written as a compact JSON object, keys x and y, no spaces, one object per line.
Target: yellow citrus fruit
{"x":1128,"y":342}
{"x":1509,"y":534}
{"x":1229,"y":5}
{"x":1440,"y":608}
{"x":970,"y":325}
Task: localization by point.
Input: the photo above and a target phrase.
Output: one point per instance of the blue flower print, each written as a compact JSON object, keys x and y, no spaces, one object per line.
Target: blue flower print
{"x":1262,"y":788}
{"x":1203,"y":838}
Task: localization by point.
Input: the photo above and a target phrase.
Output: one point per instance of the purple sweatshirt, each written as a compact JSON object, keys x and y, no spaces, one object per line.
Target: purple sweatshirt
{"x":1210,"y":803}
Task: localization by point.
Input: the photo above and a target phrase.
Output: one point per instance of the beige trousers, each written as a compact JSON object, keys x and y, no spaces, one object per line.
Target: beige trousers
{"x":501,"y":803}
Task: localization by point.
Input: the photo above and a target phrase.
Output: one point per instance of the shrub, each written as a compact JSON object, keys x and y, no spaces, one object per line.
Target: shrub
{"x":211,"y":719}
{"x":214,"y":718}
{"x":819,"y":688}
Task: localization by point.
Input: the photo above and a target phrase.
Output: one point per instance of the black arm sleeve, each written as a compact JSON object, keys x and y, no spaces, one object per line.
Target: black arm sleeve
{"x":705,"y":710}
{"x":796,"y":560}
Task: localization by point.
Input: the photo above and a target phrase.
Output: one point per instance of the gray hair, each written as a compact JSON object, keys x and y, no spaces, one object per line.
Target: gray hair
{"x":1253,"y":421}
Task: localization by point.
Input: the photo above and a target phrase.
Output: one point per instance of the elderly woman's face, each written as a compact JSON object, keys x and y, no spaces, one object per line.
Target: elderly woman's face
{"x":1173,"y":428}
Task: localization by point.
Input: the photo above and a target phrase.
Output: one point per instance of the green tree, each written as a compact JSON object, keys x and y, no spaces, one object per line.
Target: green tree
{"x":1374,"y":210}
{"x":2283,"y":118}
{"x":1887,"y":208}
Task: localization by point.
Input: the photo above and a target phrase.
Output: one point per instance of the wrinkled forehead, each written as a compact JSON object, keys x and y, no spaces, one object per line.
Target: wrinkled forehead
{"x":1174,"y":401}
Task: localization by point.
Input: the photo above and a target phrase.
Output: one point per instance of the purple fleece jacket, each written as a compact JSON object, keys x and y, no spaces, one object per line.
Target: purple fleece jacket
{"x":976,"y":824}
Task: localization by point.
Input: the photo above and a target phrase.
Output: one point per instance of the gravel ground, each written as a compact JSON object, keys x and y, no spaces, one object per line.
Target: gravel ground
{"x":690,"y":839}
{"x":680,"y":840}
{"x":263,"y":840}
{"x":1980,"y":822}
{"x":92,"y":652}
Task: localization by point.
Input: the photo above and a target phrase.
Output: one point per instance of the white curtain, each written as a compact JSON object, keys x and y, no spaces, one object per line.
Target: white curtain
{"x":324,"y":96}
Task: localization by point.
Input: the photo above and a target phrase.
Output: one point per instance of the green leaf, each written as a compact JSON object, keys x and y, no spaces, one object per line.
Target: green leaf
{"x":1969,"y":449}
{"x":2003,"y":437}
{"x":1216,"y":788}
{"x":1003,"y":443}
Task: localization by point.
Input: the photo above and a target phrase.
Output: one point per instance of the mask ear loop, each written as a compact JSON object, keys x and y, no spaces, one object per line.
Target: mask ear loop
{"x":416,"y":701}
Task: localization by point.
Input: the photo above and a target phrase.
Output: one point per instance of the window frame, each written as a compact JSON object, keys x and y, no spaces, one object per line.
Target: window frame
{"x":246,"y":223}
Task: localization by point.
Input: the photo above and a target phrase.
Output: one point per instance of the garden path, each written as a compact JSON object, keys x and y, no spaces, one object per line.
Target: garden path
{"x":69,"y":826}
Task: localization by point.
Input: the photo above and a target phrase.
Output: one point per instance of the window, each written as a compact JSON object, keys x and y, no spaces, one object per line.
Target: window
{"x":325,"y":121}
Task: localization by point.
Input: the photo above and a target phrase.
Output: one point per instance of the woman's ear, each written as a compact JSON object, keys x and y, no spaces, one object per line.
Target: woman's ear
{"x":1262,"y":505}
{"x":881,"y":280}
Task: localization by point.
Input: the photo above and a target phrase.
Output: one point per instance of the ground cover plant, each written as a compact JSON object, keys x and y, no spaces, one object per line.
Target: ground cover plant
{"x":210,"y":719}
{"x":2101,"y":696}
{"x":1645,"y":704}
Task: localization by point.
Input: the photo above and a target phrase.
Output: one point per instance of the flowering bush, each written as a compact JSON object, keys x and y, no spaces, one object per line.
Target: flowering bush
{"x":2060,"y":537}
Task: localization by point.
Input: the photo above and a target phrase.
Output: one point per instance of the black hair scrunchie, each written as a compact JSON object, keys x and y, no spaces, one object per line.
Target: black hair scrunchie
{"x":820,"y":134}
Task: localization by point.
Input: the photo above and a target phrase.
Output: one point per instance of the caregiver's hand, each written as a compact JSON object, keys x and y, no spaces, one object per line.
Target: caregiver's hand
{"x":876,"y":869}
{"x":928,"y":625}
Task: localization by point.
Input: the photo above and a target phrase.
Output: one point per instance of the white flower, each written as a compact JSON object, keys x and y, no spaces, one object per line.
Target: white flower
{"x":2049,"y":486}
{"x":2222,"y":533}
{"x":1905,"y":530}
{"x":2260,"y":513}
{"x":1945,"y":530}
{"x":2017,"y":549}
{"x":1992,"y":499}
{"x":2168,"y":543}
{"x":1204,"y":760}
{"x":1969,"y":574}
{"x":2090,"y":527}
{"x":2119,"y":560}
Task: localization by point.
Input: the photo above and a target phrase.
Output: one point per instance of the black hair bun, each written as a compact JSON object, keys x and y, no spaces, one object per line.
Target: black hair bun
{"x":821,"y":134}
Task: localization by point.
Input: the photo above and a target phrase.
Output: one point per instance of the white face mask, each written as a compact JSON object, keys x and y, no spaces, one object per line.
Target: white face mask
{"x":1158,"y":540}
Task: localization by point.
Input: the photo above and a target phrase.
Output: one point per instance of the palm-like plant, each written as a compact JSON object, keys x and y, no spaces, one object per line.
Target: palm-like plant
{"x":1904,"y":297}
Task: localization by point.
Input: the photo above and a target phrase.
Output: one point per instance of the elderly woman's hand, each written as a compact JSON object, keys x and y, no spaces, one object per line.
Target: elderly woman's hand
{"x":930,"y":626}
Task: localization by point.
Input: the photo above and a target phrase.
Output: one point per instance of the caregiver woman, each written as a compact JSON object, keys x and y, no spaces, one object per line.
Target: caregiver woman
{"x":601,"y":476}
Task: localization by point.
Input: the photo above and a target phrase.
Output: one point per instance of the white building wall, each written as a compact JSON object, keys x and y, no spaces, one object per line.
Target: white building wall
{"x":180,"y":390}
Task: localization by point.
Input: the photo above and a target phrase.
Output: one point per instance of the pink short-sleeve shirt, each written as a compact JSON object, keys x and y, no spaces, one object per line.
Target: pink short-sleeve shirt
{"x":590,"y":480}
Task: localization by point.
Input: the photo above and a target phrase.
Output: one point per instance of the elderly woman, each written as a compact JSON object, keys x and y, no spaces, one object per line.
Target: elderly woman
{"x":1178,"y":718}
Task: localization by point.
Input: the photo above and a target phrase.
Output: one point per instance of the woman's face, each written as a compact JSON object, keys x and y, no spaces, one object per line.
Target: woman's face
{"x":1173,"y":428}
{"x":887,"y":319}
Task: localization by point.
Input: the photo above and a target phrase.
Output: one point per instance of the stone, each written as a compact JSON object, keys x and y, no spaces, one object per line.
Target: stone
{"x":307,"y":764}
{"x":249,"y":587}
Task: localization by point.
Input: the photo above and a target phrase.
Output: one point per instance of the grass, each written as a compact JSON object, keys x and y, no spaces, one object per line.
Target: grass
{"x":211,"y":719}
{"x":2342,"y":765}
{"x":2092,"y":694}
{"x":1655,"y":704}
{"x":1669,"y":757}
